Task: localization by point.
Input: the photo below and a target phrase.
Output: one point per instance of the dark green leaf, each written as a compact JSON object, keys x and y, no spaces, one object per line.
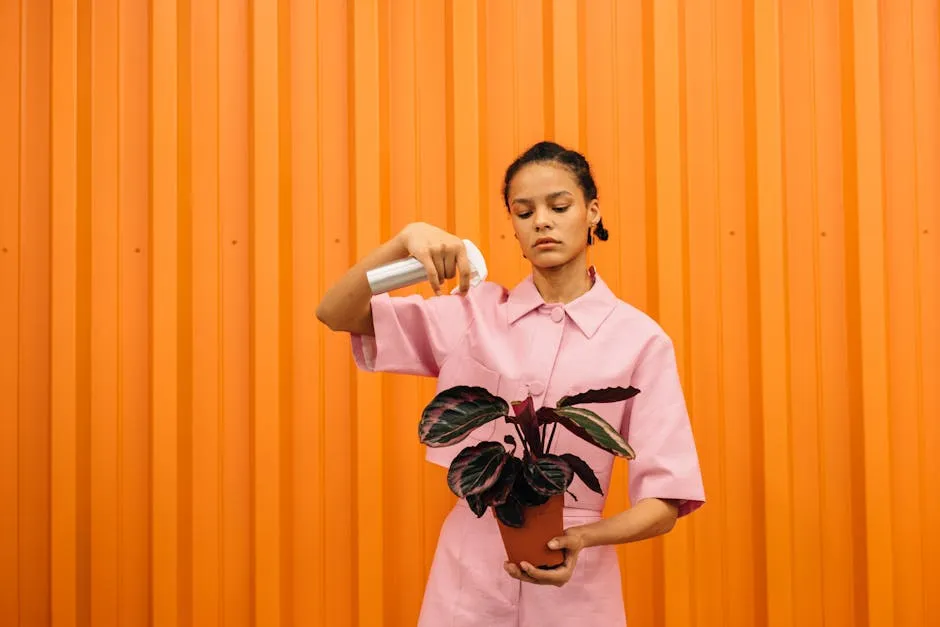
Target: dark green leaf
{"x":548,"y":475}
{"x":455,"y":412}
{"x":524,"y":493}
{"x":593,"y":429}
{"x":584,"y":472}
{"x":508,"y":439}
{"x":477,"y":505}
{"x":607,"y":395}
{"x":476,"y":468}
{"x":500,"y":490}
{"x":511,"y":513}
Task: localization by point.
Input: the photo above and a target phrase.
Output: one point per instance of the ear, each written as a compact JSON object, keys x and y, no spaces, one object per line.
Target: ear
{"x":593,"y":212}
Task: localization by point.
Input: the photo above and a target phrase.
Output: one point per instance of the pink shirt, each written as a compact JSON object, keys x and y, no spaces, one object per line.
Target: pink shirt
{"x":514,"y":344}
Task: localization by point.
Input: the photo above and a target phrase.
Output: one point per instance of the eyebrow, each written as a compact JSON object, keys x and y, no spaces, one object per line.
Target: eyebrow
{"x":550,"y":197}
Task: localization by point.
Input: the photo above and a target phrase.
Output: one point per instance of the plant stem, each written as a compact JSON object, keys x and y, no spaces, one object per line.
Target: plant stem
{"x":551,"y":437}
{"x":525,"y":445}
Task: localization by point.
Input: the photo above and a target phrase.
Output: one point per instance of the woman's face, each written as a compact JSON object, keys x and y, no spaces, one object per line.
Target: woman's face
{"x":549,"y":214}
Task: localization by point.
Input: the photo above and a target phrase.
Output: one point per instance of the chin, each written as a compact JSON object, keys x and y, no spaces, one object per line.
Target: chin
{"x":549,"y":259}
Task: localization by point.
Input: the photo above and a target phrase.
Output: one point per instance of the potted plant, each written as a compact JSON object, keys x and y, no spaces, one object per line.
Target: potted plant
{"x":521,"y":479}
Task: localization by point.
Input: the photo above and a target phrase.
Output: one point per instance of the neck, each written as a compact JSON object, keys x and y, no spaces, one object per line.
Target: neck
{"x":564,"y":283}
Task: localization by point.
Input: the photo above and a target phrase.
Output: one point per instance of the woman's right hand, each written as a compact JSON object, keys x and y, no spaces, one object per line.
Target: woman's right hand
{"x":443,"y":255}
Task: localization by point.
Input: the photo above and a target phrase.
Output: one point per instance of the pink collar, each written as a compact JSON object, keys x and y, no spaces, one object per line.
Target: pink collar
{"x":587,"y":311}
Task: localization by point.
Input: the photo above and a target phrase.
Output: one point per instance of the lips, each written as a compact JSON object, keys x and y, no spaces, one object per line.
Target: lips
{"x":546,"y":240}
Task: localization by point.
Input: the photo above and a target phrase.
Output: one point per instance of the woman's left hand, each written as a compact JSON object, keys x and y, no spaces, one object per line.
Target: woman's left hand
{"x":572,"y":543}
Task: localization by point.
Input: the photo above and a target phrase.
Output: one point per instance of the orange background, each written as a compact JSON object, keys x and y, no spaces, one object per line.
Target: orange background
{"x":182,"y":444}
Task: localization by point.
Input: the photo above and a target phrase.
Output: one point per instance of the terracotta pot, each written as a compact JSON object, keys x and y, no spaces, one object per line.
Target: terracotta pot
{"x":529,"y":543}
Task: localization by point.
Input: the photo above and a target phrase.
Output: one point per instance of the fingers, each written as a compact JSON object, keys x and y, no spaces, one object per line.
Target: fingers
{"x":463,"y":269}
{"x":572,"y":540}
{"x":516,"y":573}
{"x":450,"y":265}
{"x":429,"y":266}
{"x":564,"y":542}
{"x":446,"y":260}
{"x":442,"y":255}
{"x":539,"y":576}
{"x":571,"y":544}
{"x":531,"y":574}
{"x":437,"y":255}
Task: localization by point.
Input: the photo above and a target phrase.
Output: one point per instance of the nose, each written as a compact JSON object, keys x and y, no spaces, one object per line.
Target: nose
{"x":542,"y":219}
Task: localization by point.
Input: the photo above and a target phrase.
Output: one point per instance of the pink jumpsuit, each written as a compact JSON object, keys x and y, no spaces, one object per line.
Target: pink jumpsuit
{"x":515,"y":345}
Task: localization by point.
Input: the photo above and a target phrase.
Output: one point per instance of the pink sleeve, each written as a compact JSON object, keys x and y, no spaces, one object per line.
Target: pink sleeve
{"x":658,"y":429}
{"x":413,"y":335}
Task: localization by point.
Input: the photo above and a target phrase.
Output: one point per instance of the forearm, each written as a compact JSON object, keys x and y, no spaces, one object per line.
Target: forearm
{"x":346,"y":305}
{"x":647,"y":519}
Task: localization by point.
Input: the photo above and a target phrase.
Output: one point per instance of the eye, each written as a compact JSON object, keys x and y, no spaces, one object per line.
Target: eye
{"x":561,"y":209}
{"x":523,"y":214}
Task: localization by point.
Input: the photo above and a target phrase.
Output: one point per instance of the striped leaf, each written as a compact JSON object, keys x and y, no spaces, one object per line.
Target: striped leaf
{"x":548,"y":475}
{"x":454,"y":413}
{"x":593,"y":429}
{"x":607,"y":395}
{"x":499,"y":492}
{"x":476,"y":468}
{"x":511,"y":513}
{"x":526,"y":494}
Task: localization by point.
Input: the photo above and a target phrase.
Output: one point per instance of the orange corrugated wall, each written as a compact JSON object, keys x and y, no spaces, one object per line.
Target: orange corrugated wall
{"x":182,"y":444}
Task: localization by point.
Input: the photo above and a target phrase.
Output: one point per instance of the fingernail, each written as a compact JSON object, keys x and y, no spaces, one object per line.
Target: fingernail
{"x":553,"y":545}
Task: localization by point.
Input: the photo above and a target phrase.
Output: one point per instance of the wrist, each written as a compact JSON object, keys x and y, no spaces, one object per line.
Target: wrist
{"x":406,"y":230}
{"x":400,"y":240}
{"x":401,"y":236}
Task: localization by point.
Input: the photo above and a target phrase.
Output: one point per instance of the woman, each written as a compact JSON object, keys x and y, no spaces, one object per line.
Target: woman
{"x":558,"y":332}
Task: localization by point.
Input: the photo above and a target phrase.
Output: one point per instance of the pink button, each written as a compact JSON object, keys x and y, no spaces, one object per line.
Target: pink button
{"x":536,"y":388}
{"x":558,"y":314}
